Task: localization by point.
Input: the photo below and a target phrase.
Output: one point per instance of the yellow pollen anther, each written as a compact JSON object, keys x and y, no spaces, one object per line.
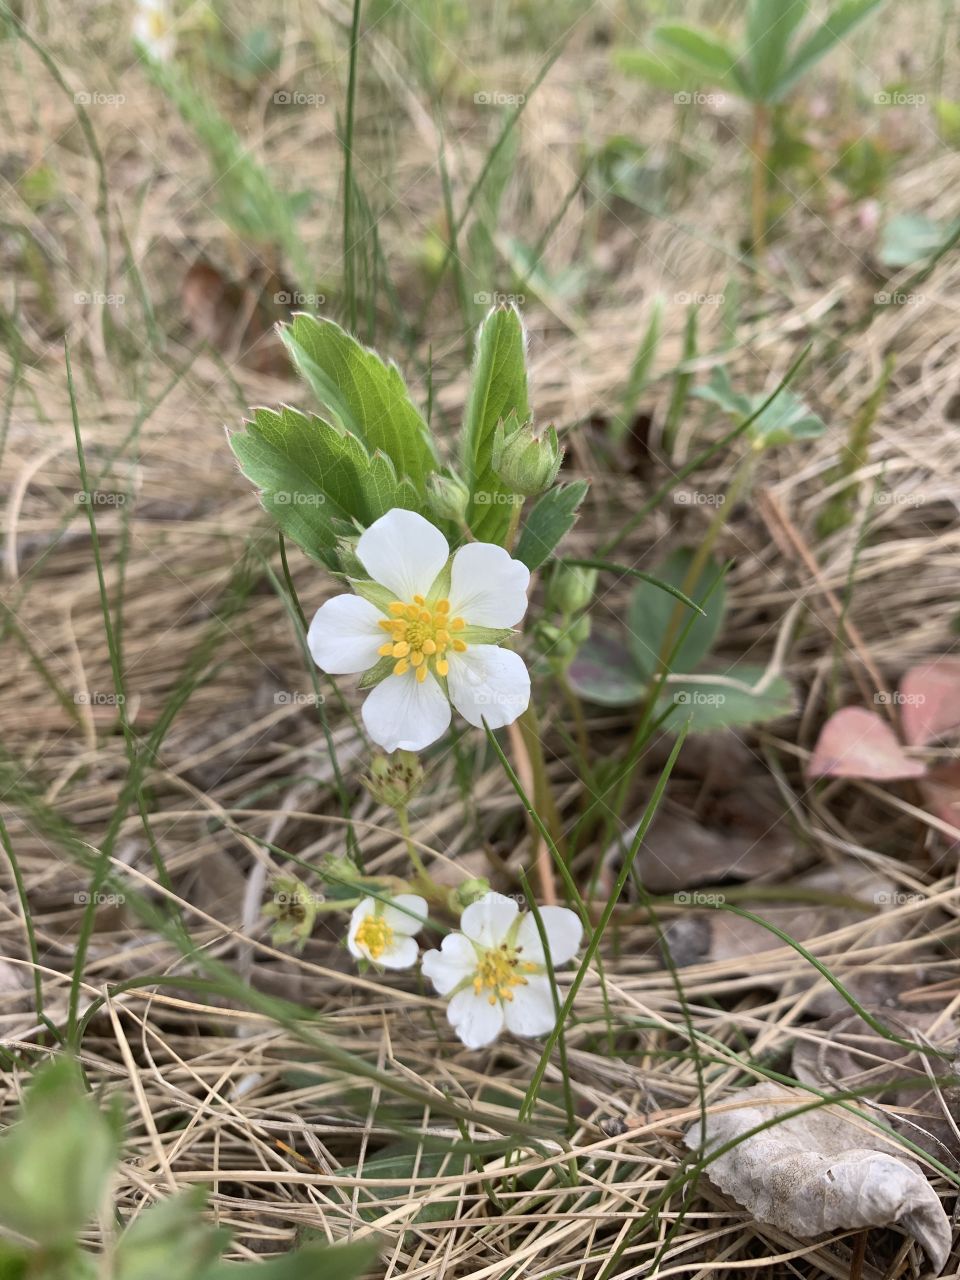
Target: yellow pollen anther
{"x":419,"y":636}
{"x":498,"y":972}
{"x":375,"y":934}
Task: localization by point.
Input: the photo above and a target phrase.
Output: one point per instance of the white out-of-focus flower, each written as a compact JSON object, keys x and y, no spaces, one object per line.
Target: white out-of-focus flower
{"x":384,"y":932}
{"x":427,"y":630}
{"x":153,"y":28}
{"x":494,"y":970}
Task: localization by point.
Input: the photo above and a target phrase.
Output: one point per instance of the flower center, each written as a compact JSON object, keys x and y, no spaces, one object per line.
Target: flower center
{"x":500,"y":969}
{"x":374,"y":934}
{"x":421,"y":634}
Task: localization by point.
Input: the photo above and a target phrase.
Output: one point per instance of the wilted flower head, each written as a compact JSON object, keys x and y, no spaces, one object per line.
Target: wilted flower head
{"x":495,"y":970}
{"x":427,"y":631}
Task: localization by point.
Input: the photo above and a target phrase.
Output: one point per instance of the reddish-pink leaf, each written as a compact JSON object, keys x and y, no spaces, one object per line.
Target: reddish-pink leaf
{"x":930,"y":701}
{"x":856,"y":743}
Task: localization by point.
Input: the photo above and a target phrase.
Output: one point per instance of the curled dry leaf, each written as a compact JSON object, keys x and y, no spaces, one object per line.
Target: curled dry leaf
{"x":819,"y":1172}
{"x":855,"y":743}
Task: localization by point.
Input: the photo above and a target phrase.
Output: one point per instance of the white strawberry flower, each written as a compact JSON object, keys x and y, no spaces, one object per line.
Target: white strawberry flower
{"x":495,"y":970}
{"x":384,"y":932}
{"x":427,"y":629}
{"x":153,"y":28}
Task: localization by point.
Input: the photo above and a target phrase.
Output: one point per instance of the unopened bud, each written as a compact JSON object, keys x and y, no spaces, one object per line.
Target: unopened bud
{"x":571,"y":588}
{"x":448,"y":496}
{"x":526,"y":462}
{"x":468,"y":891}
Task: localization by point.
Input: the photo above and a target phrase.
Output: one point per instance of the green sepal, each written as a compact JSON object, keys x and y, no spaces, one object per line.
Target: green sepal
{"x":380,"y":597}
{"x":376,"y":675}
{"x":485,"y":635}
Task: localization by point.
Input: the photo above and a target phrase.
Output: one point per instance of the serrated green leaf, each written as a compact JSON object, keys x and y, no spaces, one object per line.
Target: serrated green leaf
{"x":315,"y":478}
{"x":909,"y":238}
{"x":711,"y":706}
{"x":552,"y":516}
{"x":498,"y":387}
{"x":651,"y":613}
{"x":170,"y":1238}
{"x":604,"y":672}
{"x":365,"y":395}
{"x":770,"y":28}
{"x":786,"y":417}
{"x":702,"y":53}
{"x":313,"y":1262}
{"x":55,"y":1164}
{"x":664,"y":71}
{"x":835,"y":27}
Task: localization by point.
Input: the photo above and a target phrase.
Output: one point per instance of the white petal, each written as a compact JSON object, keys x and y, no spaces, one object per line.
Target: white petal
{"x":564,"y":931}
{"x":403,"y":714}
{"x":487,"y":586}
{"x":489,"y":919}
{"x":404,"y":921}
{"x":488,"y":683}
{"x":404,"y":552}
{"x":531,"y":1011}
{"x":401,"y":954}
{"x":476,"y":1021}
{"x":455,"y":962}
{"x":360,"y":912}
{"x":344,"y":636}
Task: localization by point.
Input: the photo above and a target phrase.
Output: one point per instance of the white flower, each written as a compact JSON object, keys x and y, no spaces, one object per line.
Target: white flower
{"x":430,"y":630}
{"x":383,"y":933}
{"x":153,"y":28}
{"x":495,"y":970}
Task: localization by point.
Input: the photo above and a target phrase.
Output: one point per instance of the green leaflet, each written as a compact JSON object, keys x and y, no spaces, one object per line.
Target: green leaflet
{"x":499,"y":386}
{"x":315,"y":479}
{"x":552,"y":517}
{"x":366,"y":396}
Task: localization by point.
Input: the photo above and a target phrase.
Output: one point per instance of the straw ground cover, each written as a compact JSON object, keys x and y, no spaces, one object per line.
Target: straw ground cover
{"x":176,"y":766}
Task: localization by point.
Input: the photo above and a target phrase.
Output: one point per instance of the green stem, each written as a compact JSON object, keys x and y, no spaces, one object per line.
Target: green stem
{"x":543,"y":797}
{"x":423,"y":880}
{"x":758,"y":194}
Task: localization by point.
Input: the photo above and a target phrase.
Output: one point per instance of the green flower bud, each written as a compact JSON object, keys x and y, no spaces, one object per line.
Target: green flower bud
{"x":395,"y":779}
{"x":448,"y":497}
{"x":294,"y":908}
{"x":526,"y":462}
{"x":571,"y":588}
{"x":459,"y":899}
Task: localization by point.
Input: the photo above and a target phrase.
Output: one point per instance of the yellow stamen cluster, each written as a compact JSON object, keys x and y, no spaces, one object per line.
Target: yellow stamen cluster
{"x":374,"y":934}
{"x":421,"y":634}
{"x":499,"y":971}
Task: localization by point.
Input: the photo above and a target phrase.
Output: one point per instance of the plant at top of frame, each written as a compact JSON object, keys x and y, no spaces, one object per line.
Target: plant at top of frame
{"x":56,"y":1168}
{"x":780,"y":44}
{"x":438,"y":557}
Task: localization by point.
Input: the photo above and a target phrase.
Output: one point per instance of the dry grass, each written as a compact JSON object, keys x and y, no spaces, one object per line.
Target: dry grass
{"x":229,"y":1098}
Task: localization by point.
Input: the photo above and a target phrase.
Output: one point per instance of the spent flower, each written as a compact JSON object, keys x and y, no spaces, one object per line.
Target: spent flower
{"x":494,"y":970}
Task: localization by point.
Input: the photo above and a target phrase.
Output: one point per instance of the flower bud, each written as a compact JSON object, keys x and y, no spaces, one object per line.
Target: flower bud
{"x":571,"y":588}
{"x":395,"y":779}
{"x":526,"y":462}
{"x":448,"y":496}
{"x":468,"y":891}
